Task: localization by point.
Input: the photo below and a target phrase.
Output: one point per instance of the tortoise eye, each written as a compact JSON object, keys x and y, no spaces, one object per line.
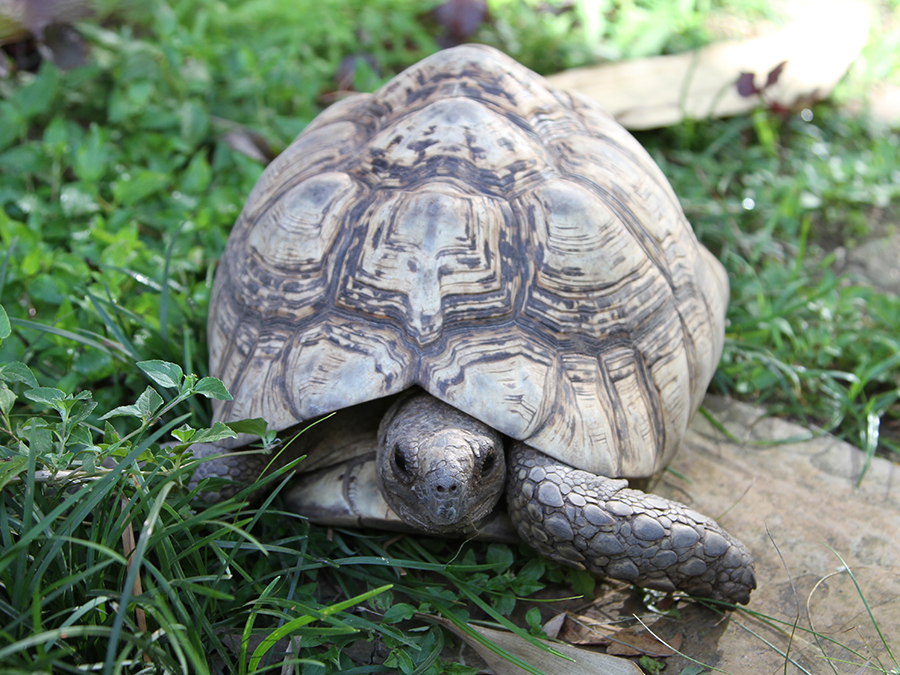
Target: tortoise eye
{"x":400,"y":463}
{"x":488,"y":463}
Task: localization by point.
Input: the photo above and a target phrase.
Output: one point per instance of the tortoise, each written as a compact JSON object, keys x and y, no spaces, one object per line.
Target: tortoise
{"x":498,"y":282}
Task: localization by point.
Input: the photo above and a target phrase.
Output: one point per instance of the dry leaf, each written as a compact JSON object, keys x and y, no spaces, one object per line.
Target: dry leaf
{"x":554,"y":625}
{"x":582,"y":661}
{"x":579,"y":633}
{"x":641,"y":643}
{"x":587,"y":629}
{"x":249,"y":143}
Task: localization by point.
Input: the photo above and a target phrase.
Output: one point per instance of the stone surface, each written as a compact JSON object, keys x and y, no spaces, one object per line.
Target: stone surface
{"x":876,"y":262}
{"x":791,"y":504}
{"x":884,"y":103}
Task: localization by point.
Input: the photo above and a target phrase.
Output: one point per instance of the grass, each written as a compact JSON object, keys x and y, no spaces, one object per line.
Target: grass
{"x":117,"y":191}
{"x":801,"y":340}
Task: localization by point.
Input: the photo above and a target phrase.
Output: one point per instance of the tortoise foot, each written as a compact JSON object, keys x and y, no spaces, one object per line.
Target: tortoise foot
{"x":598,"y":524}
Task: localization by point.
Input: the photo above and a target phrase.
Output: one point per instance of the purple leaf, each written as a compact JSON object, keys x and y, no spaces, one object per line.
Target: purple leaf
{"x":746,"y":86}
{"x":774,"y":74}
{"x":461,"y":18}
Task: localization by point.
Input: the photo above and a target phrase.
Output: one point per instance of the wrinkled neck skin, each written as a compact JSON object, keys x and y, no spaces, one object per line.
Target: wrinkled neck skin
{"x":439,"y":469}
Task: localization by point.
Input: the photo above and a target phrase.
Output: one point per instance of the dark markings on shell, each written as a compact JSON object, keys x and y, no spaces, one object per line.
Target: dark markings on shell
{"x":507,"y":247}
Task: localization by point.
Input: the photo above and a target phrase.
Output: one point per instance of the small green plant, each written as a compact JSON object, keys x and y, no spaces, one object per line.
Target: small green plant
{"x":58,"y":446}
{"x":107,"y":563}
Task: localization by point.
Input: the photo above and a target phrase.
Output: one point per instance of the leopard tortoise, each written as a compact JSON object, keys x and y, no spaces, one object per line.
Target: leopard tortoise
{"x":499,"y":283}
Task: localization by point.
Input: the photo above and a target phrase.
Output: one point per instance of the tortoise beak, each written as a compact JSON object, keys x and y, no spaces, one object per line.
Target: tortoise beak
{"x":447,"y":515}
{"x":445,"y":491}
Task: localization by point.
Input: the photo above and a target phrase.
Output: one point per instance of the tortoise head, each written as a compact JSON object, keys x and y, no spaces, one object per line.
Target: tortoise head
{"x":439,"y":469}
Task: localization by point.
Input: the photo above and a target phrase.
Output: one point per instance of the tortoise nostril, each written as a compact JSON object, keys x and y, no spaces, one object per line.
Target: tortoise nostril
{"x":446,"y":487}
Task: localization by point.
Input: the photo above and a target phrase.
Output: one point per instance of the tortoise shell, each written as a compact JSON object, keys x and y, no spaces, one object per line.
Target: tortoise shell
{"x":507,"y":247}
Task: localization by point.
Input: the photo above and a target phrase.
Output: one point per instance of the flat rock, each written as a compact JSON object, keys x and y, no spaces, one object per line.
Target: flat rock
{"x":875,"y":263}
{"x":798,"y":506}
{"x":884,"y":103}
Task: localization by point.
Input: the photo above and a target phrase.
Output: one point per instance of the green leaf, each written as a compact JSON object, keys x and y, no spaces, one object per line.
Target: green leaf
{"x":693,"y":670}
{"x":501,"y":556}
{"x":291,"y":626}
{"x":5,"y":328}
{"x":18,"y":372}
{"x":7,"y":398}
{"x":212,"y":387}
{"x":46,"y":395}
{"x":92,"y":158}
{"x":31,"y":262}
{"x":400,"y":660}
{"x":80,"y":407}
{"x":110,"y":435}
{"x":80,"y":435}
{"x":165,"y":374}
{"x":255,"y":426}
{"x":131,"y":189}
{"x":14,"y":124}
{"x":37,"y":97}
{"x":123,"y":411}
{"x":651,"y":665}
{"x":194,"y":122}
{"x":122,"y":449}
{"x":582,"y":582}
{"x":94,"y":364}
{"x":217,"y":432}
{"x":77,"y":202}
{"x":533,"y":618}
{"x":532,"y":571}
{"x":504,"y":604}
{"x":38,"y":435}
{"x":56,"y":137}
{"x":197,"y":176}
{"x":184,"y":433}
{"x":132,"y":99}
{"x":147,"y":404}
{"x":12,"y":468}
{"x":399,"y":612}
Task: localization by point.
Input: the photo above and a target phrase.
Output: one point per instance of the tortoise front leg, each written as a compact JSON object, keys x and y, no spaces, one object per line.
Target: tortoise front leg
{"x":599,"y":524}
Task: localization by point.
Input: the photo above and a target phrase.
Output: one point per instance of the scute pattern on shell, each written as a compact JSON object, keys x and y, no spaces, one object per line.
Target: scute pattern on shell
{"x":507,"y":247}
